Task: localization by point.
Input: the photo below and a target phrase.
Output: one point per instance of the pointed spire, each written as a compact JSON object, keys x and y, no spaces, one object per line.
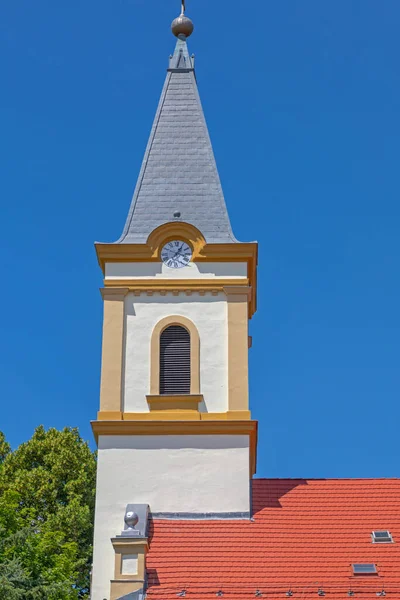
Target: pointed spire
{"x":179,"y":178}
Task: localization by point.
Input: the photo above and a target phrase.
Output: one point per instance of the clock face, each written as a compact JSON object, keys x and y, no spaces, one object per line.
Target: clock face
{"x":176,"y":254}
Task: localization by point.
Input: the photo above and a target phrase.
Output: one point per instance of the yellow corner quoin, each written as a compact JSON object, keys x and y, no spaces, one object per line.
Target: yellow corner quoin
{"x":182,"y":427}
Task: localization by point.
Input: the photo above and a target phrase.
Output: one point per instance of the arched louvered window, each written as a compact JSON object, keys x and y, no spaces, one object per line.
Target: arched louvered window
{"x":175,"y":360}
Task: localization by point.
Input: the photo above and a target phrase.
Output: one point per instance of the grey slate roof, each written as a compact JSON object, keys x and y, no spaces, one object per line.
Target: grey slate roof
{"x":179,"y":173}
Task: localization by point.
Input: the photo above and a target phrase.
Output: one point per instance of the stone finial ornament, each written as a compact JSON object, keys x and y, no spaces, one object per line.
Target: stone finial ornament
{"x":135,"y":521}
{"x":131,"y":519}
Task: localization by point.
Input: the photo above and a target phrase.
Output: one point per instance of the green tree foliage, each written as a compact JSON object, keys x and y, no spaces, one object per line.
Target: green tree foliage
{"x":47,"y":492}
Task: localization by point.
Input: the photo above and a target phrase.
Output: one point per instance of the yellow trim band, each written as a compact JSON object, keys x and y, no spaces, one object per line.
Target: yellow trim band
{"x":230,"y":415}
{"x":167,"y":284}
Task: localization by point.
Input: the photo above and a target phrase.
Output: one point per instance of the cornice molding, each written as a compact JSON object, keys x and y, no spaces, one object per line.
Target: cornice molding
{"x":240,"y":252}
{"x":231,"y":287}
{"x":183,"y":415}
{"x":114,"y":292}
{"x":202,"y":252}
{"x":235,"y":291}
{"x":176,"y":284}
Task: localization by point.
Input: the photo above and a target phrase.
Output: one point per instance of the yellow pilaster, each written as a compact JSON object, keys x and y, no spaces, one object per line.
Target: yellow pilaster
{"x":112,"y":352}
{"x":238,"y":347}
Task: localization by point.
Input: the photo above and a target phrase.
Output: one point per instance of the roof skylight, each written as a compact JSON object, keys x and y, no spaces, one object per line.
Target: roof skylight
{"x":364,"y":568}
{"x":382,"y":536}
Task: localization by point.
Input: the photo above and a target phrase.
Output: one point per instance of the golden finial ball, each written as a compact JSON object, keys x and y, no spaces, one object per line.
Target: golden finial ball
{"x":182,"y":25}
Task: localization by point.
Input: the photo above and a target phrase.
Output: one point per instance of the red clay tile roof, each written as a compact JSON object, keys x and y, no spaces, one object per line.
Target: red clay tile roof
{"x":305,"y":536}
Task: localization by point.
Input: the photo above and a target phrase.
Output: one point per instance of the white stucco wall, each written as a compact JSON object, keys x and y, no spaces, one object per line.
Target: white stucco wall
{"x":201,"y":270}
{"x":209,"y":315}
{"x":191,"y":474}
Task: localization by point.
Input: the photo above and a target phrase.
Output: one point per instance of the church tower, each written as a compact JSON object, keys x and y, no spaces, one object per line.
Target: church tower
{"x":174,"y":430}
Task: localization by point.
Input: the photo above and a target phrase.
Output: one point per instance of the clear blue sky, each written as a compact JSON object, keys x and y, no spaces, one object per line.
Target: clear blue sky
{"x":302,"y":102}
